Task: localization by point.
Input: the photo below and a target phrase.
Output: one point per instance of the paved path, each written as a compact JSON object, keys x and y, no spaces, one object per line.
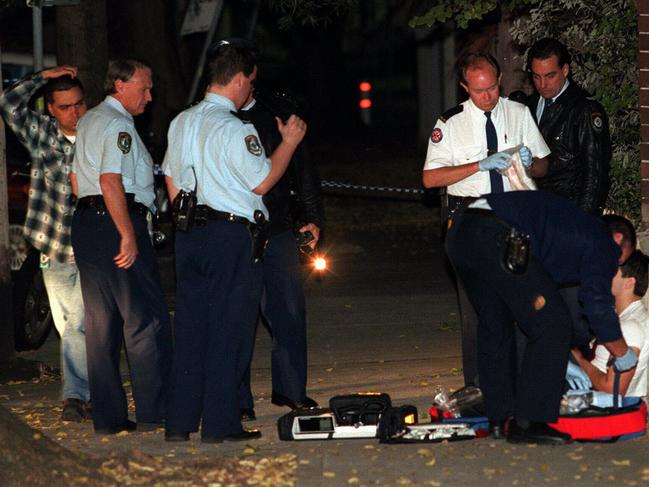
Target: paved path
{"x":382,"y":319}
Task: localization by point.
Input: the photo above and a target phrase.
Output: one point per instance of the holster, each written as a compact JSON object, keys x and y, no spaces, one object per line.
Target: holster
{"x":516,"y":252}
{"x":260,"y":234}
{"x":184,"y":210}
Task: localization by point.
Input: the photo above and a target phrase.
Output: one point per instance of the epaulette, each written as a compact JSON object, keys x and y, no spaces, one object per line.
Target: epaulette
{"x":449,"y":113}
{"x":241,"y":116}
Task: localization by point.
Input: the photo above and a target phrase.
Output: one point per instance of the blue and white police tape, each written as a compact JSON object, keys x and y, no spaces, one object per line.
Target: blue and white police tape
{"x":362,"y":187}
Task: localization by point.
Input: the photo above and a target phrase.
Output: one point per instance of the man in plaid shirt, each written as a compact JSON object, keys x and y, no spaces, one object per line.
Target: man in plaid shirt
{"x":50,"y":140}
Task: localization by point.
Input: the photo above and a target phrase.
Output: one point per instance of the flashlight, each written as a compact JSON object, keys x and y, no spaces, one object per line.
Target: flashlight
{"x":319,"y":262}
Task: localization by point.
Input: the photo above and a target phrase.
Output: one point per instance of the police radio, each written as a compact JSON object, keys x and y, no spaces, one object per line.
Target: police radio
{"x":184,"y":210}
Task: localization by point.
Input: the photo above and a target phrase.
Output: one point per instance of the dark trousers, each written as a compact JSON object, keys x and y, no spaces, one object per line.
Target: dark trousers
{"x":122,"y":305}
{"x":502,"y":301}
{"x":469,"y":334}
{"x":218,"y":288}
{"x":283,"y":307}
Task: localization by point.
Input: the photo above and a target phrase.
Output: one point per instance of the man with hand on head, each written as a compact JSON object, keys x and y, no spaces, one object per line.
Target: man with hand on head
{"x":50,"y":140}
{"x":124,"y":301}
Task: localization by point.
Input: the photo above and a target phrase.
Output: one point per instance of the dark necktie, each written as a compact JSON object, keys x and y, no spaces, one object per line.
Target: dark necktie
{"x":492,"y":147}
{"x":546,"y":104}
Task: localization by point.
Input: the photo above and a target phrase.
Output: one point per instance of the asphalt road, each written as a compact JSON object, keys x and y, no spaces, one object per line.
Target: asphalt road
{"x":382,"y":318}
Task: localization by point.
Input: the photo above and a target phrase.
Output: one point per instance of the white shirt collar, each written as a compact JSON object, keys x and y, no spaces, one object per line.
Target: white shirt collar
{"x":631,"y":308}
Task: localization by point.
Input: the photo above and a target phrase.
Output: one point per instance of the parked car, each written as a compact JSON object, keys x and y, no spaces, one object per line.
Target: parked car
{"x":31,"y":309}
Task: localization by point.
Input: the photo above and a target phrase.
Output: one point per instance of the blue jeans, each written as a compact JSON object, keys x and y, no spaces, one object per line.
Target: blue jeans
{"x":64,"y":292}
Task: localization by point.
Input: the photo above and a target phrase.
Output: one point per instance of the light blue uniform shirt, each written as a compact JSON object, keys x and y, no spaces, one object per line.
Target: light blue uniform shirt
{"x":107,"y":142}
{"x":224,"y":153}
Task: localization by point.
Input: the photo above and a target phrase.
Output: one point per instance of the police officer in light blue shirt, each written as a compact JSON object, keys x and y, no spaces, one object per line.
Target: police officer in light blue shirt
{"x":218,"y":285}
{"x":113,"y":178}
{"x":201,"y":149}
{"x":127,"y":156}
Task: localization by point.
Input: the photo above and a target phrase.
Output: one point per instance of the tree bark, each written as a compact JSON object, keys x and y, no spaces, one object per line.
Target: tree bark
{"x":144,"y":30}
{"x":82,"y":41}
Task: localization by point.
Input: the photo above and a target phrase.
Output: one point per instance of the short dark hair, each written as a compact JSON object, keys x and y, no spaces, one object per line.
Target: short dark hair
{"x":121,"y":69}
{"x":62,"y":83}
{"x":226,"y":59}
{"x":546,"y":47}
{"x":474,"y":60}
{"x":637,"y":266}
{"x":619,"y":224}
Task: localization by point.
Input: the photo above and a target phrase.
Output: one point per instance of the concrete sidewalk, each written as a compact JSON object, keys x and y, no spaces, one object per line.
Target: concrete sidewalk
{"x":384,"y":318}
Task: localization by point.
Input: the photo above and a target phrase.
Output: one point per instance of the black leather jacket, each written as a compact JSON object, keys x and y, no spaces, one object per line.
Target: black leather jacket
{"x":296,"y":199}
{"x":575,"y":127}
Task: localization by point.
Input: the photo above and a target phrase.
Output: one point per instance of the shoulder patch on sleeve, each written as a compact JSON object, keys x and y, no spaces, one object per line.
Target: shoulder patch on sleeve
{"x":598,"y":121}
{"x":124,"y":140}
{"x":253,"y":145}
{"x":436,"y":136}
{"x":449,"y":113}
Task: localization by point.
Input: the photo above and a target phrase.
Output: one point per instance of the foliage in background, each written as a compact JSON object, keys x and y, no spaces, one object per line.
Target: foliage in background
{"x":310,"y":12}
{"x":602,"y":37}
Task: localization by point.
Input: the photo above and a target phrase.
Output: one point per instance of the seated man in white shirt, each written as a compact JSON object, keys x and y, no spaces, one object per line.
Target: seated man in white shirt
{"x":628,"y":287}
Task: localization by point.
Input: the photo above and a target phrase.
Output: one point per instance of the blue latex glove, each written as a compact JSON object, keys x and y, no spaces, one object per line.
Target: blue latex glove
{"x":526,"y":157}
{"x":576,"y":377}
{"x":626,"y":361}
{"x":500,"y":161}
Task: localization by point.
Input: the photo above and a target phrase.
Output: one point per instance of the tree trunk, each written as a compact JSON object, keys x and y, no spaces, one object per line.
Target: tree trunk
{"x":144,"y":30}
{"x":6,"y":325}
{"x":82,"y":41}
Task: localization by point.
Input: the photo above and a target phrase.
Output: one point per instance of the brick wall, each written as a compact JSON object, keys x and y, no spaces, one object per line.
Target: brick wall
{"x":643,"y":40}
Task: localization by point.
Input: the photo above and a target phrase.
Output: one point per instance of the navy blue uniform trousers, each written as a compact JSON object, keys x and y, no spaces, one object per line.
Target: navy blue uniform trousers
{"x":502,"y":300}
{"x":218,"y":288}
{"x":283,"y":306}
{"x":122,"y":306}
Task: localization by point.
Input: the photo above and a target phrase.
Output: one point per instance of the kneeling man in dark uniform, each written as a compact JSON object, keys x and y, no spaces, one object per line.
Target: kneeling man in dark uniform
{"x":513,"y":251}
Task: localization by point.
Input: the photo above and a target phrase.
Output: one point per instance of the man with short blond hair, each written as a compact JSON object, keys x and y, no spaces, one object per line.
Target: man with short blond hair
{"x":465,"y":154}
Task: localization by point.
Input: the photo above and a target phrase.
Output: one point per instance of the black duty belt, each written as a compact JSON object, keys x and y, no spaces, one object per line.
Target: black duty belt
{"x":206,"y":213}
{"x":480,"y":211}
{"x":96,"y":201}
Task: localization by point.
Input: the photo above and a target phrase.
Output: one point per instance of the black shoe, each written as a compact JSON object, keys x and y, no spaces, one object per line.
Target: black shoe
{"x":246,"y":434}
{"x":76,"y":410}
{"x":247,"y":414}
{"x":497,"y":429}
{"x":278,"y":400}
{"x":539,"y":433}
{"x":113,"y":430}
{"x":176,"y":435}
